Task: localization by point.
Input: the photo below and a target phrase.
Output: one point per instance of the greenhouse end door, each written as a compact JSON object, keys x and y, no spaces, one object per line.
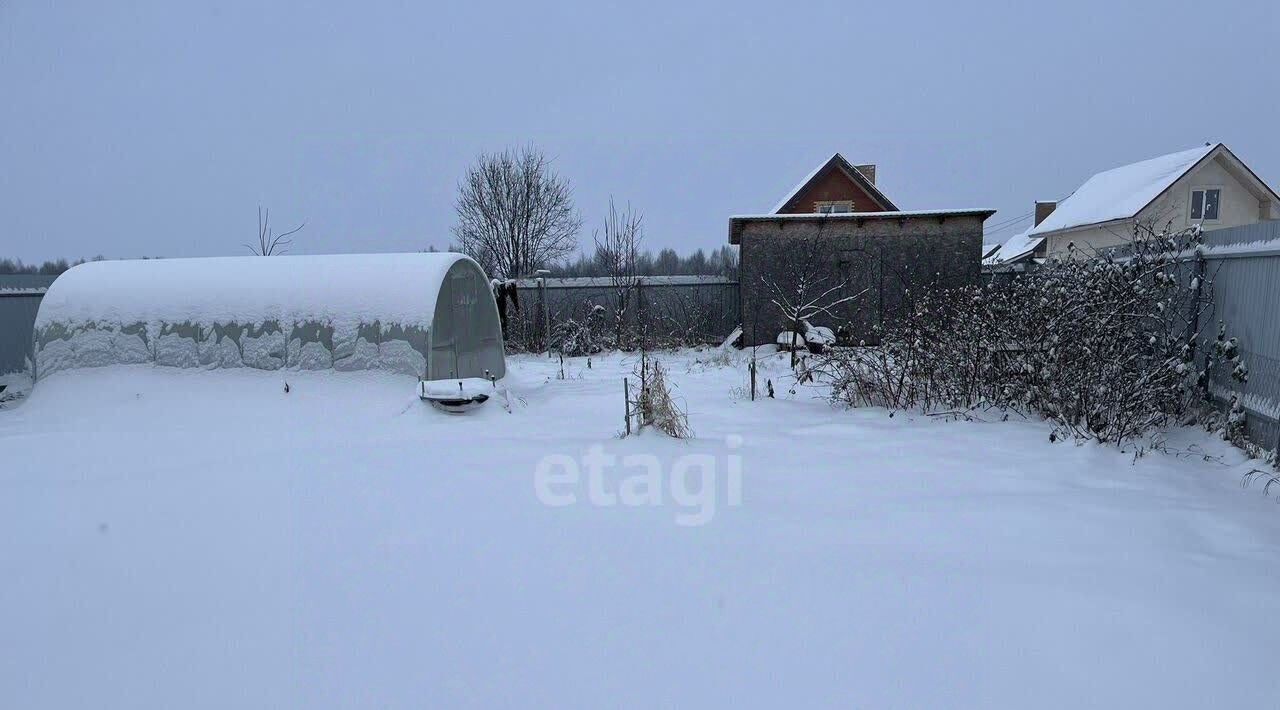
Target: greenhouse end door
{"x":467,"y":346}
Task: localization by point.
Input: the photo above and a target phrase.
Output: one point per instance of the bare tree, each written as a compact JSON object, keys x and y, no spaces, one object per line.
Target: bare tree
{"x":270,"y":244}
{"x":618,"y":253}
{"x":802,"y":288}
{"x":515,"y":214}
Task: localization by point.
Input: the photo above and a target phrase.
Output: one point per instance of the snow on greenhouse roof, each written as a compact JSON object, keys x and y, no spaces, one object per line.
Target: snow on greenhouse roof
{"x":1120,"y":193}
{"x":337,"y":289}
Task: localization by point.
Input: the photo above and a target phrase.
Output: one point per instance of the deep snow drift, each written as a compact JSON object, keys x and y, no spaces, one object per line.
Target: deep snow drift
{"x":177,"y":538}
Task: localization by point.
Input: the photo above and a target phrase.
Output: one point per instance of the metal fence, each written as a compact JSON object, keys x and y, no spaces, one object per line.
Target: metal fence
{"x":1243,"y":265}
{"x":20,"y":296}
{"x":669,"y":310}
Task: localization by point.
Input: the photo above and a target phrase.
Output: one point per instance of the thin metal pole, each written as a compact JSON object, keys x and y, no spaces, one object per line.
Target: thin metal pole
{"x":626,"y":399}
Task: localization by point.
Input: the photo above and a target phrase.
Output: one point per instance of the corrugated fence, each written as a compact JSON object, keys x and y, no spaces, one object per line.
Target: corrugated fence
{"x":670,"y":310}
{"x":20,"y":296}
{"x":1243,"y":264}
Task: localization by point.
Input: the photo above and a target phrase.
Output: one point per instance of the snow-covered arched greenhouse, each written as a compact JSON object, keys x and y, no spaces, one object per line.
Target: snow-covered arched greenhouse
{"x":428,"y":315}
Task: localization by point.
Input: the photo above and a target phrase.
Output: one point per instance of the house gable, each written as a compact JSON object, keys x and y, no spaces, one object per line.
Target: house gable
{"x":835,"y":181}
{"x":1244,"y":198}
{"x":1153,"y":191}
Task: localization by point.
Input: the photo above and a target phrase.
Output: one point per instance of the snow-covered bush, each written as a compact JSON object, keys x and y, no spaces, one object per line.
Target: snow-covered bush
{"x":582,"y":336}
{"x":1106,"y":346}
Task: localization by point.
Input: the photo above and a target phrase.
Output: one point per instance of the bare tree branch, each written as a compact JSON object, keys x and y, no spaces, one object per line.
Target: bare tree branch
{"x":618,"y":253}
{"x":270,"y":244}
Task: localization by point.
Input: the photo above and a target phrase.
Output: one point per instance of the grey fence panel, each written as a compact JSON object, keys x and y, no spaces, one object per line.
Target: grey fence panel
{"x":667,"y":310}
{"x":20,"y":296}
{"x":1243,"y":265}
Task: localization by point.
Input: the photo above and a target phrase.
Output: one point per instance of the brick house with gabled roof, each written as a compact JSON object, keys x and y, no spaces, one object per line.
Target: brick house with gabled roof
{"x":836,"y":186}
{"x":837,"y":227}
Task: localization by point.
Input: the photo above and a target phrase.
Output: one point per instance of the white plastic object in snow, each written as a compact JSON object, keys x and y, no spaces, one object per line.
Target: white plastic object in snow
{"x":789,"y":339}
{"x":820,"y":335}
{"x":456,"y":396}
{"x":733,"y":338}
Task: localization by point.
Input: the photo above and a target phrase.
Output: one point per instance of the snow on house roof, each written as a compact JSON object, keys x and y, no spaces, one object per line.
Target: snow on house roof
{"x":848,"y":167}
{"x":338,"y":289}
{"x":1120,"y":193}
{"x":1019,"y":246}
{"x":800,"y":186}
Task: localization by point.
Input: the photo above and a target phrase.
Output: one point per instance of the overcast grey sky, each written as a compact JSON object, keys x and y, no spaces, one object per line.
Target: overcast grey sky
{"x":157,"y":128}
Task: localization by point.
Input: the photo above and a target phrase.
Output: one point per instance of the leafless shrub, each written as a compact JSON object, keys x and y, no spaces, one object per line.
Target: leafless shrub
{"x":618,"y":252}
{"x":1267,"y":479}
{"x":656,"y":406}
{"x":269,"y":243}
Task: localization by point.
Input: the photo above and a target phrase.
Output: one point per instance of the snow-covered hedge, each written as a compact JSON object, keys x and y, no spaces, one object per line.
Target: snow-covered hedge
{"x":1106,"y":346}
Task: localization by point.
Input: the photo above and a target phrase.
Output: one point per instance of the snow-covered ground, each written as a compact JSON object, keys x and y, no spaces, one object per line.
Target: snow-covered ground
{"x":176,"y":538}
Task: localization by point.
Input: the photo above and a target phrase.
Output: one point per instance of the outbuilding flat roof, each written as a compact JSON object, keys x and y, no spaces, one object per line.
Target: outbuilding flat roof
{"x":736,"y":221}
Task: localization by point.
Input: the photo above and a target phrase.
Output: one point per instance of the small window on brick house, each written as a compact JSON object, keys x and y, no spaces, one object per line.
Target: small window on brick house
{"x":832,"y":207}
{"x":1205,"y":203}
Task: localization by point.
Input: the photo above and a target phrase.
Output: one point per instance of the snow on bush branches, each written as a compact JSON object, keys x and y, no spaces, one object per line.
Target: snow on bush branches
{"x":1106,"y":346}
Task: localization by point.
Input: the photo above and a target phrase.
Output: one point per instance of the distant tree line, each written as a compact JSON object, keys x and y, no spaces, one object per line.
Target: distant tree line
{"x":48,"y":268}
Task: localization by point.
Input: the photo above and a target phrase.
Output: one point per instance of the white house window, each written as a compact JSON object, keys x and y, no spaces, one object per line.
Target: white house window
{"x":1205,"y":202}
{"x":834,"y":207}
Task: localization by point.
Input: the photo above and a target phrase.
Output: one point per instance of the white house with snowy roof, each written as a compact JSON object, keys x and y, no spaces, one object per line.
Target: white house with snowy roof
{"x":1208,"y":186}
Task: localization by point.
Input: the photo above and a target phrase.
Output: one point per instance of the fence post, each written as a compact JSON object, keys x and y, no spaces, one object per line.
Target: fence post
{"x":641,"y":324}
{"x":626,"y":404}
{"x":546,"y":314}
{"x":1195,"y":314}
